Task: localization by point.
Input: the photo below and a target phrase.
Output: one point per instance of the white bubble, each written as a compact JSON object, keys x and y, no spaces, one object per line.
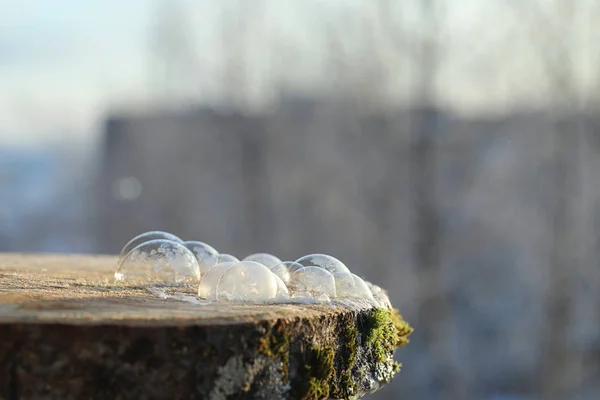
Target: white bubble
{"x":268,"y":260}
{"x":350,"y":286}
{"x":210,"y":281}
{"x":379,"y":295}
{"x":247,"y":281}
{"x":324,"y":261}
{"x":159,"y":262}
{"x":223,"y":257}
{"x":206,"y":254}
{"x":146,"y":237}
{"x":281,"y":270}
{"x":312,"y":282}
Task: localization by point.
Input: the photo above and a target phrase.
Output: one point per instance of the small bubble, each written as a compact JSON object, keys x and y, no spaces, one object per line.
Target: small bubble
{"x":268,"y":260}
{"x":159,"y":261}
{"x":379,"y":295}
{"x":281,"y":270}
{"x":324,"y":261}
{"x":146,"y":237}
{"x":282,"y":290}
{"x":223,"y":257}
{"x":292,"y":266}
{"x":247,"y":281}
{"x":210,"y":281}
{"x":206,"y":254}
{"x":312,"y":282}
{"x":350,"y":286}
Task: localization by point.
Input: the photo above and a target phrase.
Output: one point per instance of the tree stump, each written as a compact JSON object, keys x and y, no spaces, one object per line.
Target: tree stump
{"x":68,"y":331}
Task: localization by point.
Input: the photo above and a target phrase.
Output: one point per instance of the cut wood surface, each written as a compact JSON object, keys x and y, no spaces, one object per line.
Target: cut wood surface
{"x":67,"y":330}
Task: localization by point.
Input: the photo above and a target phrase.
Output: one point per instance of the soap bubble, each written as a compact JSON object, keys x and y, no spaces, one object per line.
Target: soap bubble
{"x":379,"y":295}
{"x":210,"y":281}
{"x":324,"y":261}
{"x":282,"y":290}
{"x":312,"y":282}
{"x":206,"y":254}
{"x":247,"y":281}
{"x":268,"y":260}
{"x":223,"y":257}
{"x":350,"y":286}
{"x":159,"y":261}
{"x":292,"y":266}
{"x":146,"y":237}
{"x":282,"y":271}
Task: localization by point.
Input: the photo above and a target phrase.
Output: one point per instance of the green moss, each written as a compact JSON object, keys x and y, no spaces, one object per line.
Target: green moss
{"x":386,"y":331}
{"x":276,"y":344}
{"x":317,"y":374}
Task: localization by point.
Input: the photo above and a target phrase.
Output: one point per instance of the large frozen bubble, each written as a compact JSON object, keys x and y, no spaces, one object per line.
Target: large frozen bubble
{"x":223,"y":257}
{"x":146,"y":237}
{"x":208,"y":284}
{"x":312,"y":282}
{"x":247,"y":281}
{"x":324,"y":261}
{"x":350,"y":286}
{"x":159,"y":261}
{"x":206,"y":254}
{"x":268,"y":260}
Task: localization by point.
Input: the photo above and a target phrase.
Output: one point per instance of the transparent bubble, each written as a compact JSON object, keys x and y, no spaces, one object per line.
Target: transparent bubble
{"x":247,"y":281}
{"x":379,"y":295}
{"x":146,"y":237}
{"x":312,"y":282}
{"x":223,"y":257}
{"x":210,"y":281}
{"x":281,"y":270}
{"x":324,"y":261}
{"x":206,"y":254}
{"x":268,"y":260}
{"x":350,"y":286}
{"x":159,"y":261}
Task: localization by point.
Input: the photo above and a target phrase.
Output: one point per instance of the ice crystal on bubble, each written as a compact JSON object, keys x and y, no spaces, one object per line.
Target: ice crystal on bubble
{"x":324,"y":261}
{"x":159,"y":261}
{"x":247,"y":281}
{"x":268,"y":260}
{"x":208,"y":284}
{"x":350,"y":286}
{"x":206,"y":254}
{"x":223,"y":257}
{"x":312,"y":282}
{"x":146,"y":237}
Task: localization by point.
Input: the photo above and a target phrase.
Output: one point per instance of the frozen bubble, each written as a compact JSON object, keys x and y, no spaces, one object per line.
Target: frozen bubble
{"x":312,"y":282}
{"x":282,"y":290}
{"x":210,"y":281}
{"x":206,"y":254}
{"x":223,"y":257}
{"x":146,"y":237}
{"x":350,"y":286}
{"x":281,"y":270}
{"x":159,"y":261}
{"x":247,"y":281}
{"x":292,"y":266}
{"x":379,"y":295}
{"x":324,"y":261}
{"x":268,"y":260}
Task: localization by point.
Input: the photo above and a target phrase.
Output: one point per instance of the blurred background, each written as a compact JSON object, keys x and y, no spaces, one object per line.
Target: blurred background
{"x":447,"y":150}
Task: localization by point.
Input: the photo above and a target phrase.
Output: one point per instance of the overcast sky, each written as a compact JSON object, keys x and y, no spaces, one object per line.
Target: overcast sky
{"x":65,"y":63}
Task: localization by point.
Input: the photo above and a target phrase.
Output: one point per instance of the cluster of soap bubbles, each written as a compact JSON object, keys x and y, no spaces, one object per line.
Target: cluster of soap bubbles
{"x":161,"y":258}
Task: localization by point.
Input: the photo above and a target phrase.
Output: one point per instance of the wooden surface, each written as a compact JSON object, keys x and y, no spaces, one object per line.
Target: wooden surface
{"x":67,"y":330}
